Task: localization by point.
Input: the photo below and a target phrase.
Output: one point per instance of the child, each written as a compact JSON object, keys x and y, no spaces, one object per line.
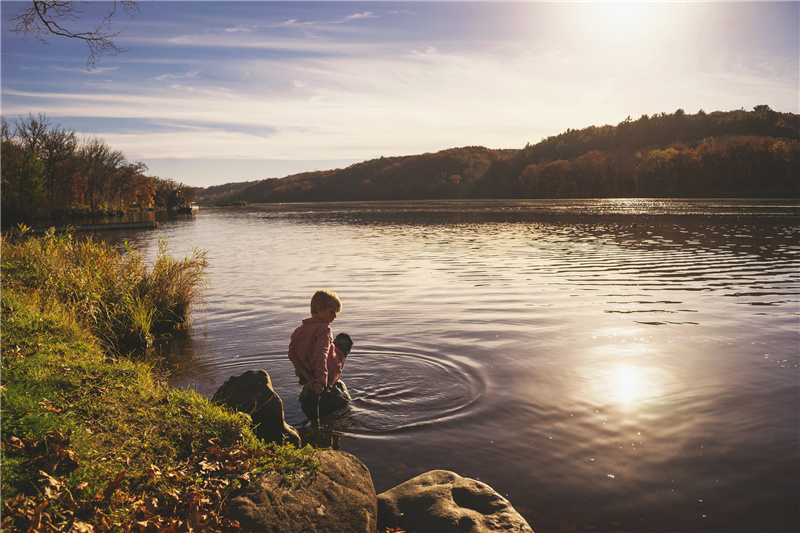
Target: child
{"x":317,"y":361}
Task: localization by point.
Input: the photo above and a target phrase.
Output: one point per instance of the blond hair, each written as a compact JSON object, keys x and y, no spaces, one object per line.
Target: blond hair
{"x":325,"y":300}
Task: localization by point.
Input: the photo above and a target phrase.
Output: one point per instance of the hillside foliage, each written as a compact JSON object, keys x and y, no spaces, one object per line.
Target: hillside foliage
{"x":721,"y":154}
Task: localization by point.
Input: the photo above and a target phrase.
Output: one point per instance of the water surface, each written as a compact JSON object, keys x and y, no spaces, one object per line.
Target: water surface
{"x":606,"y":365}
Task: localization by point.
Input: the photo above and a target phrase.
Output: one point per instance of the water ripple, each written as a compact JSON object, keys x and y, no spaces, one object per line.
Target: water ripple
{"x":392,"y":390}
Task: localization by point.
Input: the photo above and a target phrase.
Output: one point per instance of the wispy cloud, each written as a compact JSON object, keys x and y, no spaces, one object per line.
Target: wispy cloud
{"x":185,"y":76}
{"x":344,"y":20}
{"x":364,"y":15}
{"x":240,"y":29}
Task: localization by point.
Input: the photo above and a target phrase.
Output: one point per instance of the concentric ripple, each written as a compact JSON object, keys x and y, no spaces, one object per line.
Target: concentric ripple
{"x":391,"y":390}
{"x":395,"y":390}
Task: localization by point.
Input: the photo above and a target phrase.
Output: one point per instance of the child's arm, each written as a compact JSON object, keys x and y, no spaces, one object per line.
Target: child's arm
{"x":319,"y":361}
{"x":340,"y":356}
{"x":300,"y":370}
{"x":308,"y":377}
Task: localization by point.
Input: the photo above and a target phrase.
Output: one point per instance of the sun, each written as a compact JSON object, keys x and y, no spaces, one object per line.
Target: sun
{"x":623,"y":22}
{"x":623,"y":15}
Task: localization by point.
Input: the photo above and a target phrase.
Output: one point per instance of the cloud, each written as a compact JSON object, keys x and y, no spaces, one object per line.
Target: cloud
{"x":364,"y":15}
{"x":186,"y":76}
{"x":392,"y":100}
{"x":346,"y":19}
{"x":240,"y":29}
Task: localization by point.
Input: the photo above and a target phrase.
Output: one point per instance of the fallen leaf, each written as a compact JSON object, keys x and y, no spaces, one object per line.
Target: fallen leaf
{"x":153,"y":471}
{"x":79,"y":526}
{"x":51,"y":487}
{"x":57,"y":459}
{"x":114,"y":485}
{"x":209,"y":467}
{"x":14,"y":445}
{"x":36,"y":518}
{"x":56,"y":437}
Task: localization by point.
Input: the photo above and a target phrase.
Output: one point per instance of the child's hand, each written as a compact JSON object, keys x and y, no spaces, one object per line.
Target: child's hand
{"x":317,"y":387}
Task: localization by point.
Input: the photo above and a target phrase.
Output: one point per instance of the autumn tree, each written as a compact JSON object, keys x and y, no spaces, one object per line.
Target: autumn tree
{"x":13,"y":160}
{"x":48,"y":171}
{"x":23,"y":180}
{"x":59,"y":156}
{"x":132,"y":187}
{"x":31,"y":184}
{"x":100,"y":167}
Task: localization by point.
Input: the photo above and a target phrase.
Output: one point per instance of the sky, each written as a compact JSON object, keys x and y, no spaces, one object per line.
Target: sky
{"x":214,"y":92}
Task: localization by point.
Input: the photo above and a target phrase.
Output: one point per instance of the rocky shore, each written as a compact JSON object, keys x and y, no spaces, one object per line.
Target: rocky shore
{"x":341,"y":496}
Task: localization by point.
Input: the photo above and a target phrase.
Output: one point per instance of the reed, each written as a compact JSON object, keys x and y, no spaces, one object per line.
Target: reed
{"x":122,"y":301}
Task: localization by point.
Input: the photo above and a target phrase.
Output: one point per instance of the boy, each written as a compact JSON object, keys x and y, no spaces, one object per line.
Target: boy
{"x":317,"y":360}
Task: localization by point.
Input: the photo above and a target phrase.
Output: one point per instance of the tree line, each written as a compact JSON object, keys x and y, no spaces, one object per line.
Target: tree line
{"x":48,"y":171}
{"x":741,"y":166}
{"x":720,"y":154}
{"x":724,"y":154}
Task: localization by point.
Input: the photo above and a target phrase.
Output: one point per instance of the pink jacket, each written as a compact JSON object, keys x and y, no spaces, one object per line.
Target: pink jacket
{"x":312,"y":349}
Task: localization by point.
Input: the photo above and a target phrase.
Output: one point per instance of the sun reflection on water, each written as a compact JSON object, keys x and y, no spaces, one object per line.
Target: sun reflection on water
{"x":624,"y":373}
{"x":628,"y":384}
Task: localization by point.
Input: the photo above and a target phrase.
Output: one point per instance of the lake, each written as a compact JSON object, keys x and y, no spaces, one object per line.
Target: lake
{"x":606,"y":365}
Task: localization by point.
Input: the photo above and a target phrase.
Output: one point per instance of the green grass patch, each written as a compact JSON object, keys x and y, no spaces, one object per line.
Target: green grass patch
{"x":91,"y":437}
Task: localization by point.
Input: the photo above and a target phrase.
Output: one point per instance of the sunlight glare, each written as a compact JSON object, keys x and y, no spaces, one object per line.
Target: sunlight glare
{"x":623,"y":22}
{"x":628,"y":384}
{"x":624,"y":15}
{"x":622,"y":375}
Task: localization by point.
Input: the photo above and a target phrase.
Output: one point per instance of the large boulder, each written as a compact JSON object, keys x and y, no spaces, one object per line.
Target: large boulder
{"x":441,"y":502}
{"x":252,"y":393}
{"x":340,"y":498}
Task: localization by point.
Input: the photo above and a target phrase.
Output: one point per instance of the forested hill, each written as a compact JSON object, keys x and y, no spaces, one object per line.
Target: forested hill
{"x":721,"y":154}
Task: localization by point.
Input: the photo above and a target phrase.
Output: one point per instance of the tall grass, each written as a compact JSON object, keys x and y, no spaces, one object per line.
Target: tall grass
{"x":122,"y":301}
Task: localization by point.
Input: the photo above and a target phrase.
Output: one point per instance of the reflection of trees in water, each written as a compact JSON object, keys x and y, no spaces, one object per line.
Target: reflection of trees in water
{"x":325,"y":436}
{"x":176,"y":359}
{"x":764,"y":236}
{"x":766,"y":230}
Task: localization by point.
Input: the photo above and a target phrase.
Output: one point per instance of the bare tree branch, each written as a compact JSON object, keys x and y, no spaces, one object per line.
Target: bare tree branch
{"x":40,"y":18}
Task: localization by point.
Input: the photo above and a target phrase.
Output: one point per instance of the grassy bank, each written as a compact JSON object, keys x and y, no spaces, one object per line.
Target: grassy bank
{"x":90,"y":435}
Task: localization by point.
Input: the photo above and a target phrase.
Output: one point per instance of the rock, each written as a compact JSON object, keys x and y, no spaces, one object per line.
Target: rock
{"x":252,"y":393}
{"x":440,"y":502}
{"x":340,"y":498}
